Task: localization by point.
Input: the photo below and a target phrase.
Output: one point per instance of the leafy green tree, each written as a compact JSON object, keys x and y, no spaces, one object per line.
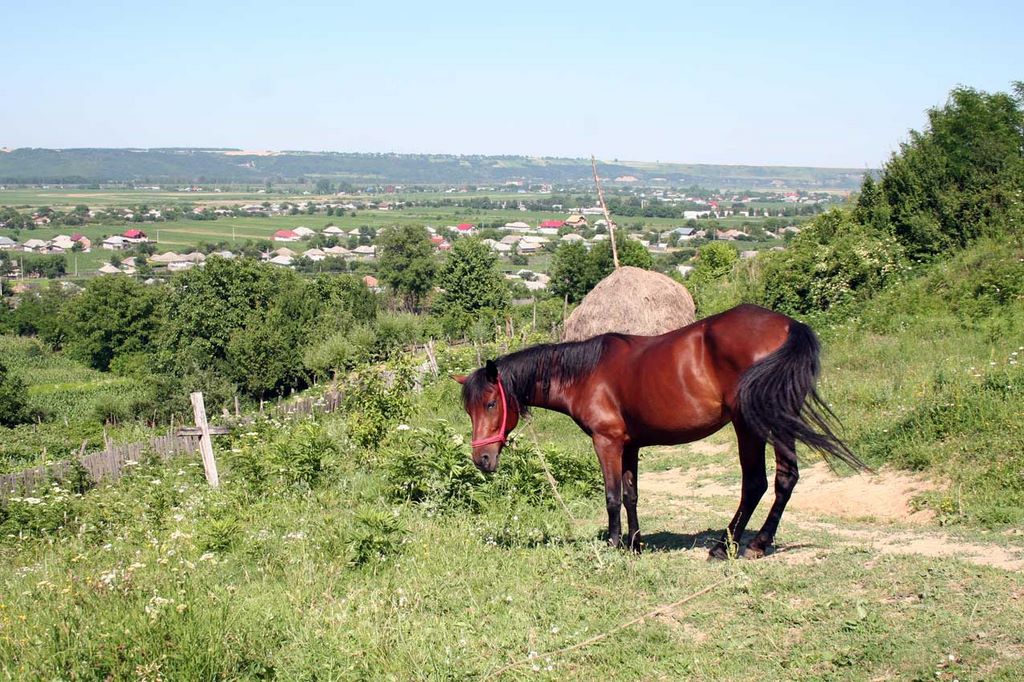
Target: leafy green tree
{"x":714,"y":260}
{"x":961,"y":177}
{"x":631,"y":252}
{"x":473,"y":289}
{"x":571,"y":272}
{"x":406,"y":263}
{"x":112,"y":316}
{"x":14,"y":408}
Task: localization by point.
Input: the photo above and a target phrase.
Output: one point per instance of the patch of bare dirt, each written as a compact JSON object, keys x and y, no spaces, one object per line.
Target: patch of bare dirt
{"x":882,"y":498}
{"x":938,"y":545}
{"x":885,"y":496}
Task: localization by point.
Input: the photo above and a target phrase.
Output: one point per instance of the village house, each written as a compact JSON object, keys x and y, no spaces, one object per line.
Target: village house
{"x":315,"y":255}
{"x":6,"y":243}
{"x":33,"y":245}
{"x":115,"y":243}
{"x":135,"y":237}
{"x":365,"y":251}
{"x":576,"y":221}
{"x":285,"y":236}
{"x":333,"y":231}
{"x":62,"y":242}
{"x":303,"y":232}
{"x":84,"y":242}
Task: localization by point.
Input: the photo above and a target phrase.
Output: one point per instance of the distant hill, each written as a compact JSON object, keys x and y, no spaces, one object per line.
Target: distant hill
{"x":230,"y":165}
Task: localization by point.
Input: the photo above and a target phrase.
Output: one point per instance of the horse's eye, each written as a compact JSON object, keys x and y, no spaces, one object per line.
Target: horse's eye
{"x":490,"y":405}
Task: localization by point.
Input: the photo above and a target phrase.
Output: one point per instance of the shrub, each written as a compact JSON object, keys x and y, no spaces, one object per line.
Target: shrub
{"x":374,"y":535}
{"x":13,"y":399}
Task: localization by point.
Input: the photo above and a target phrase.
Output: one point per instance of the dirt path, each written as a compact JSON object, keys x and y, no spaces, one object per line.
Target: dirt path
{"x":878,"y":507}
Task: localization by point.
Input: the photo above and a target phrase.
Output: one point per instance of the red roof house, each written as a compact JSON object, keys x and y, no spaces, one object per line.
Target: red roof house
{"x":370,"y":281}
{"x":557,"y":224}
{"x":285,"y":236}
{"x":134,"y":234}
{"x":465,"y":227}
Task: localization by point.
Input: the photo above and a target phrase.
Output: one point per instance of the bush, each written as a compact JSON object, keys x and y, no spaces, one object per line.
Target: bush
{"x":14,"y":408}
{"x":374,"y":535}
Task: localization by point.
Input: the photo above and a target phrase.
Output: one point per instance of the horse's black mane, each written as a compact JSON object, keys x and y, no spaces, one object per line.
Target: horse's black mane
{"x":521,"y":371}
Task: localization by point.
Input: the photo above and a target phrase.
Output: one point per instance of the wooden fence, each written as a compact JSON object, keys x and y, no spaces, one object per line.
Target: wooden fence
{"x":110,"y":463}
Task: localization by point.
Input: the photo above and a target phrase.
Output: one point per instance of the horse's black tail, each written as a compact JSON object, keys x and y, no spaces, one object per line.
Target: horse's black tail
{"x":778,"y":400}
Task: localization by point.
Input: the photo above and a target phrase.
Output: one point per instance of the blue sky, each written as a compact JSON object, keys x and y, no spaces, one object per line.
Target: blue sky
{"x":728,"y":82}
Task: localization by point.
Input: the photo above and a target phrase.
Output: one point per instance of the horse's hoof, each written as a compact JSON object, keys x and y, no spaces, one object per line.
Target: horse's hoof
{"x":752,"y":553}
{"x":636,"y":543}
{"x":718,"y":553}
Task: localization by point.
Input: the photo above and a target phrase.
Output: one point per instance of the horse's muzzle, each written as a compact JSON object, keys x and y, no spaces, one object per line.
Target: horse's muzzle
{"x":487,"y":462}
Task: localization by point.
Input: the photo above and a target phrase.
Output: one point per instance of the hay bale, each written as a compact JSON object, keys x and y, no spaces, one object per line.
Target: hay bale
{"x":631,"y":301}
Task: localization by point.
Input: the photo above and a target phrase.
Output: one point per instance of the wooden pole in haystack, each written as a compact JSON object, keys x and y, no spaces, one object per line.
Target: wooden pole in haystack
{"x":607,"y":216}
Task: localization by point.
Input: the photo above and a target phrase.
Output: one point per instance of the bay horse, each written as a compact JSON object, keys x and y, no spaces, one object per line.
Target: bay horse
{"x":750,"y":366}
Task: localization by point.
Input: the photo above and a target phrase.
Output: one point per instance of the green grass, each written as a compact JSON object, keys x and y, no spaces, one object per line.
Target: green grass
{"x":160,"y":576}
{"x":69,"y":399}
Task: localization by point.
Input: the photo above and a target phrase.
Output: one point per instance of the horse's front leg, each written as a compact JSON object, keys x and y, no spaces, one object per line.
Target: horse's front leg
{"x":609,"y":454}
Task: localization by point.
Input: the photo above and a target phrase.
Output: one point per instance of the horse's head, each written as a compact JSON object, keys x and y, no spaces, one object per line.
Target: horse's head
{"x":492,"y":409}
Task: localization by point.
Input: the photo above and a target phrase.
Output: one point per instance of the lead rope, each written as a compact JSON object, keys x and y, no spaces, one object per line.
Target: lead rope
{"x":551,"y":479}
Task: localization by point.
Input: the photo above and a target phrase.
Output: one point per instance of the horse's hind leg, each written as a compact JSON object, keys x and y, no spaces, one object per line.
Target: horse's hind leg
{"x":755,"y":483}
{"x":630,"y":494}
{"x":786,"y":475}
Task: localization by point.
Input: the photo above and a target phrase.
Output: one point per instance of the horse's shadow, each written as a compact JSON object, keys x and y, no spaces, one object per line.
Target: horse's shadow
{"x":666,"y":541}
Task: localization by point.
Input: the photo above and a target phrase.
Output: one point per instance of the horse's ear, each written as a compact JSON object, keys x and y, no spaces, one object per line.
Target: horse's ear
{"x":491,"y":370}
{"x":461,"y":378}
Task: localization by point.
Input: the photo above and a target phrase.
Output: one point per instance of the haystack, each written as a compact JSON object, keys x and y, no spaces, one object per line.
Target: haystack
{"x":631,"y":301}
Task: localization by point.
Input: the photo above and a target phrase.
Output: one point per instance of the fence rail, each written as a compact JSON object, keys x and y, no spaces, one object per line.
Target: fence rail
{"x":109,"y":464}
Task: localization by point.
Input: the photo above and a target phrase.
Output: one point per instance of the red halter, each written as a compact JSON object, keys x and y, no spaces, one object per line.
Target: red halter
{"x":499,"y":437}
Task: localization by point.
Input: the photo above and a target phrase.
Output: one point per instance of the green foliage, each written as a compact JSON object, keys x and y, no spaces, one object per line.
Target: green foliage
{"x":112,"y":316}
{"x":375,"y":535}
{"x":406,"y":263}
{"x":14,"y":407}
{"x":958,"y":180}
{"x":376,"y":399}
{"x":833,"y":263}
{"x":433,"y":467}
{"x":575,"y":271}
{"x":473,"y":288}
{"x":571,"y":272}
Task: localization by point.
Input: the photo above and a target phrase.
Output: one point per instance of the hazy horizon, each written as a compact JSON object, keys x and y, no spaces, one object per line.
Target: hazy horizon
{"x":746,"y":84}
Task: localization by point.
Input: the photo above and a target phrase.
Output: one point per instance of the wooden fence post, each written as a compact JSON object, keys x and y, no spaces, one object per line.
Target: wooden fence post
{"x":205,"y":442}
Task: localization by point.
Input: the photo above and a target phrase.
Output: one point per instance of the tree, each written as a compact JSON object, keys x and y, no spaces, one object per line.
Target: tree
{"x":406,"y":263}
{"x":111,"y":317}
{"x":571,"y":272}
{"x":473,"y":289}
{"x":959,"y":179}
{"x":14,"y":408}
{"x":631,"y":252}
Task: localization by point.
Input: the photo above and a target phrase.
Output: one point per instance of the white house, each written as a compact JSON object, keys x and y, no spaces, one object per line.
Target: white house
{"x":303,"y":232}
{"x":333,"y":230}
{"x":315,"y":255}
{"x":115,"y":243}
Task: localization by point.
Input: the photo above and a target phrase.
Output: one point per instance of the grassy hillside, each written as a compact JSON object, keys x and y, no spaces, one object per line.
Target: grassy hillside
{"x":319,"y":559}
